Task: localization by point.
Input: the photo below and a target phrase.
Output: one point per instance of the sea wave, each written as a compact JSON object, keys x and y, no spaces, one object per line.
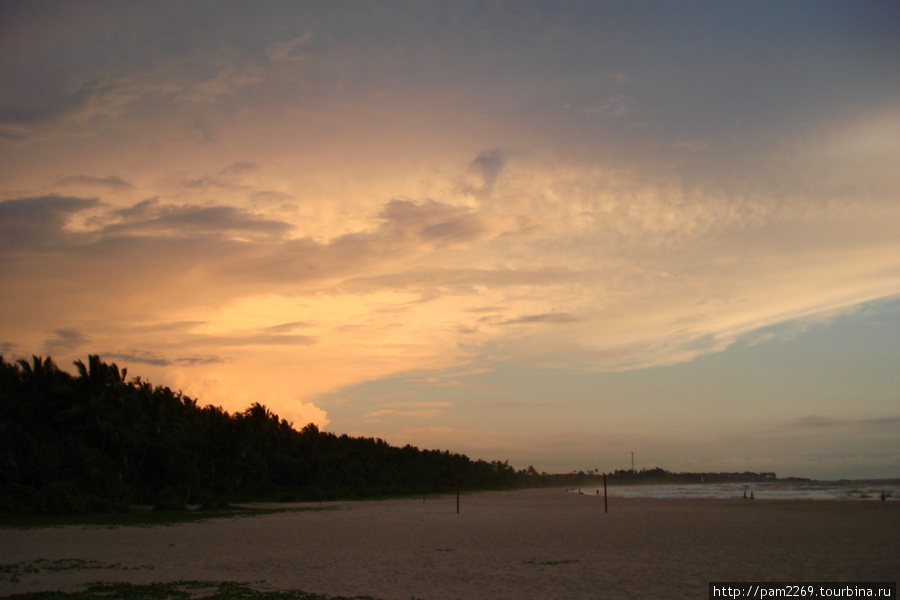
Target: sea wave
{"x":774,"y":490}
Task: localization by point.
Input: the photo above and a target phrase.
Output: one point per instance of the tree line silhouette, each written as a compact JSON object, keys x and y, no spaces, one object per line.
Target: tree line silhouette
{"x":96,"y":441}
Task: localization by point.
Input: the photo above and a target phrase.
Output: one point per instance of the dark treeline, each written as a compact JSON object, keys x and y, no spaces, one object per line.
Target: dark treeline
{"x":96,"y":441}
{"x":658,"y":475}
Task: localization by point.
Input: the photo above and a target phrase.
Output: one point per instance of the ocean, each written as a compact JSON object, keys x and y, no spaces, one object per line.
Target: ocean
{"x":862,"y":490}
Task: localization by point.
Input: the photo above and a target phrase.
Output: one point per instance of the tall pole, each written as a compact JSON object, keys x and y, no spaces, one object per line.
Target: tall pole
{"x":605,"y":503}
{"x":632,"y":462}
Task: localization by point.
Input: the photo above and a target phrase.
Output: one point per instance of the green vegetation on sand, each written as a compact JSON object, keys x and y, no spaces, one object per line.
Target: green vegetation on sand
{"x":179,"y":590}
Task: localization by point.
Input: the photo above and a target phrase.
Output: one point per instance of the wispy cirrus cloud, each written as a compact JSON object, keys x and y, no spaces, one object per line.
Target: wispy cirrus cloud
{"x":76,"y":113}
{"x":415,"y":409}
{"x":136,"y":356}
{"x":112,"y":182}
{"x":542,"y":318}
{"x":292,"y":50}
{"x":151,"y":218}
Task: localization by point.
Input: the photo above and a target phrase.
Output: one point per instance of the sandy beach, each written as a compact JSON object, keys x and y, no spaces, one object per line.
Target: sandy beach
{"x":533,"y":544}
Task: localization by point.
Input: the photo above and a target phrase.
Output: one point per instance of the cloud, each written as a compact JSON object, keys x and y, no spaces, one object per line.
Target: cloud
{"x":418,"y":404}
{"x":149,"y":357}
{"x":223,"y":241}
{"x":138,"y":357}
{"x":464,"y":281}
{"x":188,"y":337}
{"x":485,"y":170}
{"x":193,"y":361}
{"x":39,"y":222}
{"x":433,"y":222}
{"x":618,"y":105}
{"x":145,"y":209}
{"x":228,"y":80}
{"x":417,"y":409}
{"x":285,"y":327}
{"x":542,"y":318}
{"x":301,"y":414}
{"x":815,"y":423}
{"x":272,"y":198}
{"x":291,"y":50}
{"x":72,"y":114}
{"x":666,"y":273}
{"x":194,"y":220}
{"x":251,"y":338}
{"x":242,"y":167}
{"x":111,"y":182}
{"x":66,"y":340}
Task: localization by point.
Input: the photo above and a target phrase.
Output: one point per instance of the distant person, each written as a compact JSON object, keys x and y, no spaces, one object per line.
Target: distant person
{"x":751,"y":494}
{"x":883,"y":497}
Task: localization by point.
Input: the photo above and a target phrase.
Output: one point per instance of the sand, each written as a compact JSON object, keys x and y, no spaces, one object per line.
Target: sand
{"x":533,"y":544}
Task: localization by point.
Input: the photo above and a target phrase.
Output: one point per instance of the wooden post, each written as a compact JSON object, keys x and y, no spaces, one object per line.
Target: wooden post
{"x":457,"y":493}
{"x":605,"y":503}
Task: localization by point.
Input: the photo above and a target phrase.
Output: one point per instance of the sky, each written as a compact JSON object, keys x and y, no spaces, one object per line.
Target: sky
{"x":553,"y":233}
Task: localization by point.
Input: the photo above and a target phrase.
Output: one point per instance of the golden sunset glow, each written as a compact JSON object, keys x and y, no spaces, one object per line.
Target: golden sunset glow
{"x":553,"y":233}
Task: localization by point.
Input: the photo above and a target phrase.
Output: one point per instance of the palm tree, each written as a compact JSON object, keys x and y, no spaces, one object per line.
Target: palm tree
{"x":99,"y":411}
